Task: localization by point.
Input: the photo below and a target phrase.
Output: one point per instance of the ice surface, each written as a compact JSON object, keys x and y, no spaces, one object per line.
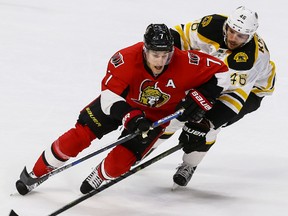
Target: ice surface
{"x":53,"y":55}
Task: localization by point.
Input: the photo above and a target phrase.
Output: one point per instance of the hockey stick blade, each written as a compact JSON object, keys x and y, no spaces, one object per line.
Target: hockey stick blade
{"x":28,"y":180}
{"x":109,"y":184}
{"x":12,"y":213}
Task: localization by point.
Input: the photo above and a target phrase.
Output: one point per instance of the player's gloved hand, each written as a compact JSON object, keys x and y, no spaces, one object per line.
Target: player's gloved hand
{"x":135,"y":120}
{"x":193,"y":136}
{"x":195,"y":105}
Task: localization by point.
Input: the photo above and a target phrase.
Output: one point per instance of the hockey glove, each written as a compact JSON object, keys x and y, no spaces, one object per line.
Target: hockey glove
{"x":195,"y":105}
{"x":193,"y":136}
{"x":135,"y":121}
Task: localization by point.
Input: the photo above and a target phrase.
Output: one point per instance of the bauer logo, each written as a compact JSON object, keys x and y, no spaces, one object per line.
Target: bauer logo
{"x":201,"y":101}
{"x":94,"y":119}
{"x":194,"y":132}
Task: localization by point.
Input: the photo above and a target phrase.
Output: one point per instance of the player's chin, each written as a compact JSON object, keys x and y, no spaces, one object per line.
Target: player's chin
{"x":158,"y":68}
{"x":232,"y":46}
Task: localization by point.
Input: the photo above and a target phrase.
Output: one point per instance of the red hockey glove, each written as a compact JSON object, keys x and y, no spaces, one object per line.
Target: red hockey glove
{"x":195,"y":105}
{"x":135,"y":120}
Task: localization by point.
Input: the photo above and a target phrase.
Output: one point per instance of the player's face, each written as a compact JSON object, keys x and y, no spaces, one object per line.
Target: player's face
{"x":156,"y":60}
{"x":235,"y":39}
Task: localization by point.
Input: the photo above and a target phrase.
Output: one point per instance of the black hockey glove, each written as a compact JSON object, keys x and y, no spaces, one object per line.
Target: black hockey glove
{"x":193,"y":136}
{"x":135,"y":120}
{"x":195,"y":105}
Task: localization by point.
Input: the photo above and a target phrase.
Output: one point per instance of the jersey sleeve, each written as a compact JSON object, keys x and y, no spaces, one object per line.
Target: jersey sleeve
{"x":185,"y":35}
{"x":114,"y":86}
{"x":265,"y":85}
{"x":202,"y":34}
{"x":232,"y":100}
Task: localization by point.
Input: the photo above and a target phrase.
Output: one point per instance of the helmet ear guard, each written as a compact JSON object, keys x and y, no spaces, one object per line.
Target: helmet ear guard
{"x":158,"y":38}
{"x":243,"y":21}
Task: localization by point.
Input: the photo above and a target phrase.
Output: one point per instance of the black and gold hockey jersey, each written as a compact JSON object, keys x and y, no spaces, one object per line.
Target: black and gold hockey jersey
{"x":251,"y":69}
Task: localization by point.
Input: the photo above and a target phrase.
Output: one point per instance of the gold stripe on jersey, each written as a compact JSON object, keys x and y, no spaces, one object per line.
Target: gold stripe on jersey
{"x":270,"y":87}
{"x":232,"y":102}
{"x":226,"y":61}
{"x":208,"y":41}
{"x":187,"y":34}
{"x":185,"y":40}
{"x":240,"y":92}
{"x":257,"y":47}
{"x":211,"y":142}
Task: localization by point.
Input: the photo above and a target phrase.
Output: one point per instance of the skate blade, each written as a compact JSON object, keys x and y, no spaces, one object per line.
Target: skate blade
{"x":175,"y":186}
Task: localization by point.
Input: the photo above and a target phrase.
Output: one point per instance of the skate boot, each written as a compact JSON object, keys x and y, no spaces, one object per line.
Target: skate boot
{"x":183,"y":174}
{"x":92,"y":182}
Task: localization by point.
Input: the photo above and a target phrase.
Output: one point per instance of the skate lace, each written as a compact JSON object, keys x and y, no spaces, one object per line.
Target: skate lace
{"x":185,"y":171}
{"x":94,"y":179}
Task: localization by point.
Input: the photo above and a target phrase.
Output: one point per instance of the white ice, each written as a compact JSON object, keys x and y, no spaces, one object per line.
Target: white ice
{"x":53,"y":55}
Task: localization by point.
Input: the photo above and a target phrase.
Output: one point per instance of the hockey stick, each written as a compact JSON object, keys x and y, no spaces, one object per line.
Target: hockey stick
{"x":12,"y":213}
{"x":35,"y":182}
{"x":112,"y":182}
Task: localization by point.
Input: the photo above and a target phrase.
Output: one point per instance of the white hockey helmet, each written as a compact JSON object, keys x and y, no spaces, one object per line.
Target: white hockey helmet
{"x":243,"y":21}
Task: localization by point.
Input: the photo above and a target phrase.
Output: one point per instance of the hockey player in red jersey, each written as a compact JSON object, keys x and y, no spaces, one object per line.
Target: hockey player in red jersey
{"x":143,"y":83}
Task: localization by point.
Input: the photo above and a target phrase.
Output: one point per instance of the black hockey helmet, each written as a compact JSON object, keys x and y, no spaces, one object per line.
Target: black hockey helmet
{"x":158,"y":38}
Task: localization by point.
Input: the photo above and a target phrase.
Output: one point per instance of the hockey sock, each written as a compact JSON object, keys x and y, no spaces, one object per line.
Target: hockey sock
{"x":117,"y":162}
{"x":75,"y":140}
{"x":70,"y":144}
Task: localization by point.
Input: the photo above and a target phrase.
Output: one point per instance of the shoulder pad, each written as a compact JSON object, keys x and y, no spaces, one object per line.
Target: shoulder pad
{"x":211,"y":27}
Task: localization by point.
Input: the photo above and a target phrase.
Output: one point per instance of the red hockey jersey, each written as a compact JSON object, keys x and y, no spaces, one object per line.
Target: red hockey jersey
{"x":127,"y":78}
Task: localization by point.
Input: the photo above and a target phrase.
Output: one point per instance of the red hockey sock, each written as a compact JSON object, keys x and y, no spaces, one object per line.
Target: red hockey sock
{"x":41,"y":167}
{"x":75,"y":140}
{"x":70,"y":144}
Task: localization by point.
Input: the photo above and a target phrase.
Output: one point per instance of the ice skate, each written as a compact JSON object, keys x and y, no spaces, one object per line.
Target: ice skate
{"x":183,"y":175}
{"x":92,"y":182}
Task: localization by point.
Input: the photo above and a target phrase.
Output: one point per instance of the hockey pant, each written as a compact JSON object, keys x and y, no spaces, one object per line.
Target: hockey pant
{"x":92,"y":123}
